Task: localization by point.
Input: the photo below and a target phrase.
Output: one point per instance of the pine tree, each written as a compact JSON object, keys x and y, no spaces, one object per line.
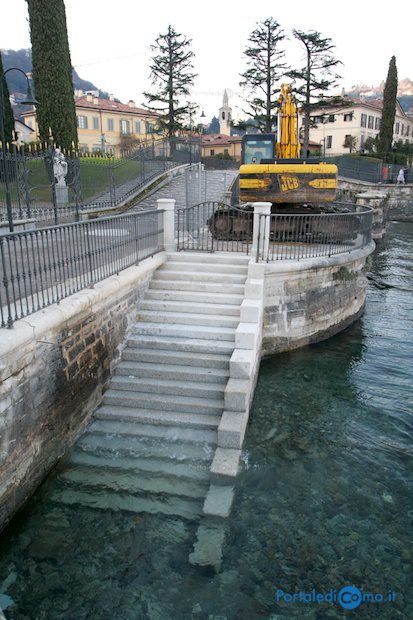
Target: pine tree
{"x":265,"y":68}
{"x":316,"y":77}
{"x":7,"y":109}
{"x":385,"y":138}
{"x":172,"y":73}
{"x":52,"y":72}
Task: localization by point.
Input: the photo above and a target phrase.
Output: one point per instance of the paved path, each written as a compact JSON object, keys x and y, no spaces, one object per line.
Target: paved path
{"x":188,"y":189}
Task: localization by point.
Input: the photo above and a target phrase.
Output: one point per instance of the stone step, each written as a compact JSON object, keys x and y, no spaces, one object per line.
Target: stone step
{"x":182,"y":331}
{"x":164,"y":402}
{"x":184,"y":508}
{"x":129,"y":482}
{"x":170,"y":387}
{"x":171,"y":371}
{"x":199,"y":277}
{"x":195,"y":360}
{"x":187,"y":318}
{"x":155,"y":431}
{"x":193,"y":307}
{"x":167,"y":418}
{"x":145,"y":447}
{"x":154,"y":467}
{"x":177,"y":343}
{"x":197,"y":287}
{"x":222,"y":298}
{"x":200,"y":267}
{"x":219,"y":258}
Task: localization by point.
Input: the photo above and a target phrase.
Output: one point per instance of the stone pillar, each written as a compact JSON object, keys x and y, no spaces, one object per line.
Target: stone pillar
{"x":261,"y":237}
{"x":376,"y":200}
{"x":167,"y":205}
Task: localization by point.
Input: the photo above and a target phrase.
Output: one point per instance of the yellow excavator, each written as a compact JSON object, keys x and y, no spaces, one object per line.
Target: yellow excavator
{"x":273,"y":171}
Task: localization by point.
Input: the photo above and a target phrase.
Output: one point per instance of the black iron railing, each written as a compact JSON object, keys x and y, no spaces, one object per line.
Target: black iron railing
{"x":44,"y":266}
{"x":295,"y":237}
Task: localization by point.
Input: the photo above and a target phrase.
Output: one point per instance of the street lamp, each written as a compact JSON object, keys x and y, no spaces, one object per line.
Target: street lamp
{"x":29,"y":100}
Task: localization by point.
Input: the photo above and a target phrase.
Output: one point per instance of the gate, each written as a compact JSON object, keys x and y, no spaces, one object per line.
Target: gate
{"x":214,"y":227}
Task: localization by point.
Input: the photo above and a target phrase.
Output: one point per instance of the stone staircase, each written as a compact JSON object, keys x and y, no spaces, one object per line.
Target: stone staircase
{"x":152,"y":442}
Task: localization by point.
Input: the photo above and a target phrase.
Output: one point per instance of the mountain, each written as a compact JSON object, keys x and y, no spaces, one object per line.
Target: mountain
{"x":22,"y":59}
{"x":404,"y":93}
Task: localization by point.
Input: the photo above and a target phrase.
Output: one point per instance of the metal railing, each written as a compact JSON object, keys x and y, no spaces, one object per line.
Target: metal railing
{"x":214,"y":226}
{"x":42,"y":267}
{"x":295,"y":237}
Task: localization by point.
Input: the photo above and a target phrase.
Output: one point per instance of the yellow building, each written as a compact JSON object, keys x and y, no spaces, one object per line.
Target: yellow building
{"x":107,"y":126}
{"x":221,"y":145}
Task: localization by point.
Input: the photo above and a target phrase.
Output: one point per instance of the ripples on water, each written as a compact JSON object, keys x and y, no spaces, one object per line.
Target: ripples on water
{"x":322,"y":502}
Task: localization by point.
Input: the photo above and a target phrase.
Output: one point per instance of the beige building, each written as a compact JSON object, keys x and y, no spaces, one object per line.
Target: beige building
{"x":351,"y":125}
{"x":221,"y":145}
{"x":107,"y":126}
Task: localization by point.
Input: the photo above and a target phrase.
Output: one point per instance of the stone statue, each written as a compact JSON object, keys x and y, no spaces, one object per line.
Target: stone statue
{"x":59,"y":167}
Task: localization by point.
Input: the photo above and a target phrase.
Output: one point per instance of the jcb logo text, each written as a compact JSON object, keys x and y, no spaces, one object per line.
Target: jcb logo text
{"x":287,"y":183}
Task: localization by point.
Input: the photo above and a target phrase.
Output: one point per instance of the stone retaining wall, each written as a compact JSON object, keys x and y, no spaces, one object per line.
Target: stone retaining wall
{"x":312,"y":299}
{"x":53,"y":369}
{"x":398,"y":199}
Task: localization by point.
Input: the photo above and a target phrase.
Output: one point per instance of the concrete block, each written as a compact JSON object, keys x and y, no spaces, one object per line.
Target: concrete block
{"x":224,"y":467}
{"x":242,"y":363}
{"x":247,"y":336}
{"x":218,"y":501}
{"x":231,"y":429}
{"x":251,"y":311}
{"x":254,"y":288}
{"x":208,"y":547}
{"x":237,"y":395}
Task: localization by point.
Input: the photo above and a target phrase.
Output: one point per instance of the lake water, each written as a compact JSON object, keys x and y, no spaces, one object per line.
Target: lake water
{"x":323,"y":504}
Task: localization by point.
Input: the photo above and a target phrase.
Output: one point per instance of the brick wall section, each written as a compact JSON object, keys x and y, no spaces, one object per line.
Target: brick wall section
{"x":54,"y":367}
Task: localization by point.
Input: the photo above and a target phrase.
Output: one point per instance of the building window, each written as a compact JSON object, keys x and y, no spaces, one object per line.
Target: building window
{"x":150,"y":128}
{"x":82,"y":122}
{"x":329,"y":142}
{"x":95,"y":122}
{"x":377,"y":124}
{"x":226,"y":152}
{"x":331,"y":118}
{"x":408,"y":130}
{"x":110,"y":124}
{"x":397,"y":128}
{"x":371,"y":122}
{"x":125,"y":128}
{"x":137,"y":127}
{"x":364,"y":120}
{"x":212,"y":153}
{"x":348,"y":116}
{"x":402,"y":129}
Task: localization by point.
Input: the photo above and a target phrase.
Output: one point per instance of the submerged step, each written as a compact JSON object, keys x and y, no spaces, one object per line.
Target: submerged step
{"x":161,"y":418}
{"x":105,"y":500}
{"x":191,"y":470}
{"x":156,"y":431}
{"x":131,"y":483}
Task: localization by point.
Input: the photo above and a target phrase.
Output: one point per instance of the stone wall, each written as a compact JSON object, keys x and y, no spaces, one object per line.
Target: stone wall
{"x":313,"y":299}
{"x":53,"y":369}
{"x":398,"y":199}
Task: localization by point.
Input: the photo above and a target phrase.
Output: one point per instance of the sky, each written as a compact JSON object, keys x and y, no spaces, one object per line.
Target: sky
{"x":110,"y":41}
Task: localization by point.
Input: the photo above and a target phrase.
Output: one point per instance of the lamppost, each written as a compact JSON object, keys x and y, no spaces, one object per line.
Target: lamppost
{"x":29,"y":100}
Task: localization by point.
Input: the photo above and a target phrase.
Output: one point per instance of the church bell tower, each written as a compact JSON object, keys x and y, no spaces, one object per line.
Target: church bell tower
{"x":225,"y":116}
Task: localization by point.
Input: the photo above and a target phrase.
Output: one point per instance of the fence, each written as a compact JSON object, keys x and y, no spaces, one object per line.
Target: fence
{"x":90,"y":181}
{"x":43,"y":266}
{"x":295,"y":237}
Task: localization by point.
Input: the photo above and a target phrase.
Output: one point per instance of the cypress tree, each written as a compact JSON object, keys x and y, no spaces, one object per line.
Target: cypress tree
{"x":385,"y":138}
{"x":8,"y":117}
{"x":52,"y":71}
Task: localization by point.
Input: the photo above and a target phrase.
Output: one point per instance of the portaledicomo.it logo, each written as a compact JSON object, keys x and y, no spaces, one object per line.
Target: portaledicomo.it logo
{"x":349,"y":597}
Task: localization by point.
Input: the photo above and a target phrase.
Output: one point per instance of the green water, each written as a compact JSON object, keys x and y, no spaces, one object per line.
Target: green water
{"x":323,"y":500}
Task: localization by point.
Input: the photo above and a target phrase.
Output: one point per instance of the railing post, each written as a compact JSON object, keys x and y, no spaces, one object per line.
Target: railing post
{"x":168,"y":206}
{"x":261,"y":238}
